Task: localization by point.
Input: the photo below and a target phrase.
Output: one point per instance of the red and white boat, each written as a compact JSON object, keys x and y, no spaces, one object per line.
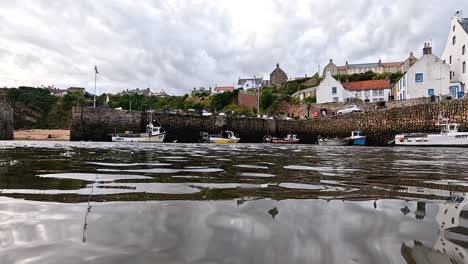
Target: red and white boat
{"x":289,"y":139}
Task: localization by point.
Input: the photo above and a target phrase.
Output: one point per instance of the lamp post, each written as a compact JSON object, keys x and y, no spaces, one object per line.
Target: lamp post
{"x":95,"y":77}
{"x":258,"y":96}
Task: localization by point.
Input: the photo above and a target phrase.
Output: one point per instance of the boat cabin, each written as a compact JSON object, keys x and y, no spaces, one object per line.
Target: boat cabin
{"x":449,"y":128}
{"x":152,"y":130}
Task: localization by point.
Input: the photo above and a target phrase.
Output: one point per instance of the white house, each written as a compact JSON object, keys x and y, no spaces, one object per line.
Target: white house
{"x":455,"y":52}
{"x":331,"y":90}
{"x":222,"y":89}
{"x":369,"y":91}
{"x":427,"y":77}
{"x":249,"y":83}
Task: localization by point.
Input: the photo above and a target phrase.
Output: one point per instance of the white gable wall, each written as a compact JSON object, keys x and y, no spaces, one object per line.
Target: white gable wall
{"x":435,"y":76}
{"x":455,"y":51}
{"x":324,"y":92}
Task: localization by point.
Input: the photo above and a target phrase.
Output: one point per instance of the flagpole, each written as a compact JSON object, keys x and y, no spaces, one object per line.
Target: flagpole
{"x":95,"y":90}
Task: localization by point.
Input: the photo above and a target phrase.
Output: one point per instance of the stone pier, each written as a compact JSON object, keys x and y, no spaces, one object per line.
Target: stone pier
{"x":6,"y":121}
{"x":380,"y":125}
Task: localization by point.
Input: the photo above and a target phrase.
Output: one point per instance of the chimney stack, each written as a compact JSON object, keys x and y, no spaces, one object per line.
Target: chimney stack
{"x":427,"y":49}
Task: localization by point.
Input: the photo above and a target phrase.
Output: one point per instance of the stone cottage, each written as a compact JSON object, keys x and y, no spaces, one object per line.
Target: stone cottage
{"x":278,"y":76}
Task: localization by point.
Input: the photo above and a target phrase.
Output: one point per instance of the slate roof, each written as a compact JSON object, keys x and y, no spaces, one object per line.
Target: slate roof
{"x":258,"y":81}
{"x":464,"y":24}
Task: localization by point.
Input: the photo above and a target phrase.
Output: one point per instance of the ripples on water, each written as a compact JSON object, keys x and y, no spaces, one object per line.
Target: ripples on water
{"x":67,"y":202}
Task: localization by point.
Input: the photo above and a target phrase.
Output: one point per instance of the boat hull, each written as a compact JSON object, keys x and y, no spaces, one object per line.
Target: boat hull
{"x":156,"y":138}
{"x":333,"y":142}
{"x":360,"y":141}
{"x":433,"y":140}
{"x":284,"y":142}
{"x":224,"y":140}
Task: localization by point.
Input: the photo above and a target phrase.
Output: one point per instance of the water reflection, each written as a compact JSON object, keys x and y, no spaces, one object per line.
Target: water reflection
{"x":195,"y":203}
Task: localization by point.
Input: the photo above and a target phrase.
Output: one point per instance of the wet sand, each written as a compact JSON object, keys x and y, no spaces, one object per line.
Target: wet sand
{"x":42,"y":134}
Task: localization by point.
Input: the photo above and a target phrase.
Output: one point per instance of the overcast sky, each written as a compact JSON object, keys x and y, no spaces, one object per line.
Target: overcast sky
{"x":177,"y":45}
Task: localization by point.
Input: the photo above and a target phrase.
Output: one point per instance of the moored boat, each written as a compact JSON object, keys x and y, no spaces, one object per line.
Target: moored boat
{"x":356,"y":138}
{"x":448,"y":137}
{"x":333,"y":142}
{"x":226,"y":137}
{"x":289,"y":139}
{"x":153,"y":134}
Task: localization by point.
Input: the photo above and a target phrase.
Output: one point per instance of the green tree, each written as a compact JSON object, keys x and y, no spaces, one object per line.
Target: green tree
{"x":309,"y":101}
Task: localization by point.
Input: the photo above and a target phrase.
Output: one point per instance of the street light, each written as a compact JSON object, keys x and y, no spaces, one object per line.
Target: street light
{"x":95,"y":77}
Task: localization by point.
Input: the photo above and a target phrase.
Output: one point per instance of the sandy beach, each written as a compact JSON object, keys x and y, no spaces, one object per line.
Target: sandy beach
{"x":42,"y":134}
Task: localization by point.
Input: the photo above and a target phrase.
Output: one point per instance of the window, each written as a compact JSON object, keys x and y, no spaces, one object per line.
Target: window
{"x":381,"y":92}
{"x":450,"y":75}
{"x":375,"y":100}
{"x":453,"y":29}
{"x":367,"y":93}
{"x":374,"y":92}
{"x":333,"y":90}
{"x":404,"y":81}
{"x":335,"y":99}
{"x":419,"y":77}
{"x":399,"y":86}
{"x":358,"y":94}
{"x":464,"y":67}
{"x":381,"y":99}
{"x":450,"y":59}
{"x":454,"y":40}
{"x":463,"y":49}
{"x":430,"y":92}
{"x":404,"y":95}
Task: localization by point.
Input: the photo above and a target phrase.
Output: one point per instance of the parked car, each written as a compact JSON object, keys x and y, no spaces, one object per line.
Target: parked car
{"x":349,"y":109}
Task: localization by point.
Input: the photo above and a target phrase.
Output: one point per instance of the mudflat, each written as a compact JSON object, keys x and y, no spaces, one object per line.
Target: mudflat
{"x":42,"y":134}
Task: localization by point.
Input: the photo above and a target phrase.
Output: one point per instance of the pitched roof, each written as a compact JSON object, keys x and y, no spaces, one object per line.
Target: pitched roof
{"x":243,"y":81}
{"x":367,"y":85}
{"x":341,"y":68}
{"x":464,"y":24}
{"x":224,"y":88}
{"x":392,"y":64}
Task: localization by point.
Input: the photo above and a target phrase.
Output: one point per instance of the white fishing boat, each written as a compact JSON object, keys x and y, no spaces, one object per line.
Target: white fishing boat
{"x":227,"y":137}
{"x":448,"y":137}
{"x":333,"y":142}
{"x":153,"y":134}
{"x":289,"y":139}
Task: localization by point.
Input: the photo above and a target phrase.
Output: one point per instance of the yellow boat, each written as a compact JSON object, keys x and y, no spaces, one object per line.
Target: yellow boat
{"x":230,"y":139}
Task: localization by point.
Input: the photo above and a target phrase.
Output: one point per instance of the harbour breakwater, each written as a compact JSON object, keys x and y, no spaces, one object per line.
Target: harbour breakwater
{"x":380,"y":126}
{"x":6,"y":121}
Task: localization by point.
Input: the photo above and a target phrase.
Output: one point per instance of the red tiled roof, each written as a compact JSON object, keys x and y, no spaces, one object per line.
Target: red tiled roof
{"x":341,"y":68}
{"x":392,"y":64}
{"x":224,"y":88}
{"x":367,"y":85}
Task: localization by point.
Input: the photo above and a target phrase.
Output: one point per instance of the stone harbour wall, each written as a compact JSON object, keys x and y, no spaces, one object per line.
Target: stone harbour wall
{"x":6,"y":121}
{"x":96,"y":124}
{"x":380,"y":125}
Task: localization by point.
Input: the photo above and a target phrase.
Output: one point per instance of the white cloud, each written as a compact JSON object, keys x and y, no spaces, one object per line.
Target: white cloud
{"x":176,"y":45}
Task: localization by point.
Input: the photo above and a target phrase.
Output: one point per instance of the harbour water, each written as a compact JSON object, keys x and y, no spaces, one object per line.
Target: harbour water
{"x":88,"y":202}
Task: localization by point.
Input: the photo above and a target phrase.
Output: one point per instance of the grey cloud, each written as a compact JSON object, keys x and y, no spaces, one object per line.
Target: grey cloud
{"x":176,"y":45}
